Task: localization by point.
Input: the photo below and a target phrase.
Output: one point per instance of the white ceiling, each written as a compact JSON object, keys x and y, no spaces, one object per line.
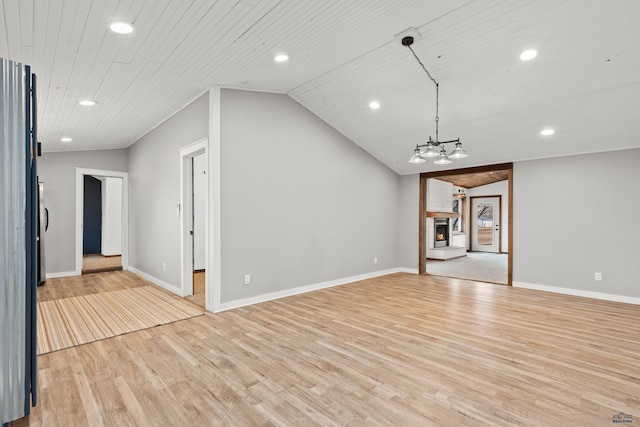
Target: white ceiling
{"x":585,"y":83}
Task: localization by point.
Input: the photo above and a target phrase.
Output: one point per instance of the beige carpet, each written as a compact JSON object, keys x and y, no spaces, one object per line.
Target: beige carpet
{"x":478,"y":266}
{"x":79,"y":320}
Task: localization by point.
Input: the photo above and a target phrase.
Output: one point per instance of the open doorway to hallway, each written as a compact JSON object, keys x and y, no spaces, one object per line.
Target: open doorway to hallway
{"x":102,"y":224}
{"x":198,"y":201}
{"x":194,"y":224}
{"x":101,"y":221}
{"x":466,"y":222}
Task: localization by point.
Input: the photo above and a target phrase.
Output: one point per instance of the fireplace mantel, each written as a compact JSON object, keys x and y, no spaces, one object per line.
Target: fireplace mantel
{"x":433,"y":214}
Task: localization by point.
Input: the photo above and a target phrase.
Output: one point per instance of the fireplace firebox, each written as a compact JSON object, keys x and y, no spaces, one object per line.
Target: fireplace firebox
{"x":441,"y":232}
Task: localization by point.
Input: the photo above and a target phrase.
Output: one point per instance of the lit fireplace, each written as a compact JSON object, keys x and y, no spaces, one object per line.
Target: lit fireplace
{"x":441,"y":232}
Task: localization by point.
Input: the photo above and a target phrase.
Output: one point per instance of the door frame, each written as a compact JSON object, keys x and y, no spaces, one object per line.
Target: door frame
{"x":422,"y":211}
{"x":471,"y":222}
{"x":186,"y":216}
{"x":80,"y":173}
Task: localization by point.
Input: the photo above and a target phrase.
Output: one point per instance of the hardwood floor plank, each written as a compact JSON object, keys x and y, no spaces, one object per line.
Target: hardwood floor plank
{"x":89,"y":404}
{"x":198,"y":297}
{"x":396,"y":350}
{"x":74,"y":286}
{"x":99,"y":263}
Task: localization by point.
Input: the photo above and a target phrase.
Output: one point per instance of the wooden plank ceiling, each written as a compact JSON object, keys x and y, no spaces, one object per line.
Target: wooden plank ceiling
{"x":471,"y":180}
{"x":343,"y":54}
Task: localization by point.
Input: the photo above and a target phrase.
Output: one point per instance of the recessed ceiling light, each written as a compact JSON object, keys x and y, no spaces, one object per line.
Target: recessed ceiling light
{"x":374,"y":105}
{"x":528,"y":54}
{"x":281,"y":58}
{"x":547,"y":132}
{"x":121,"y":27}
{"x":65,"y":139}
{"x":87,"y":102}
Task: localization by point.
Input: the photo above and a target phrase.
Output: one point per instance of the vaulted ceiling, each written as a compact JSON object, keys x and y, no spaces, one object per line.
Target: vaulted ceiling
{"x":585,"y":82}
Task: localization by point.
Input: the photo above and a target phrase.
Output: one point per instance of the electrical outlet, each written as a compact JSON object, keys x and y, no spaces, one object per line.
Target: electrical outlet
{"x":598,"y":277}
{"x":375,"y":260}
{"x":247,"y":279}
{"x":164,"y":265}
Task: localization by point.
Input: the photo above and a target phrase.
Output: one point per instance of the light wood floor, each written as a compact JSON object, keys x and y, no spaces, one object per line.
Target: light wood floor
{"x":401,"y":350}
{"x":99,"y":263}
{"x":198,"y":297}
{"x":76,"y":286}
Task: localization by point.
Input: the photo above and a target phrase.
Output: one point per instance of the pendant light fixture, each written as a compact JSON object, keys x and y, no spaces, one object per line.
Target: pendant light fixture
{"x":460,"y":194}
{"x":430,"y":148}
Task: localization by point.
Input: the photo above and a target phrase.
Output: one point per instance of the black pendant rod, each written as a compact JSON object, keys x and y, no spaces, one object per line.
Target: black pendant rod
{"x":408,"y":41}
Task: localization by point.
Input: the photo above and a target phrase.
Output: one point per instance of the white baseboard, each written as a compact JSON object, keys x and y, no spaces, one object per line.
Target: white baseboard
{"x":578,"y":292}
{"x":156,"y":281}
{"x":61,"y":274}
{"x":302,"y":289}
{"x":408,"y":270}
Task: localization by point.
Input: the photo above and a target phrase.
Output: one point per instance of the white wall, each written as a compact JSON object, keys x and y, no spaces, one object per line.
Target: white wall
{"x":199,"y":211}
{"x":408,"y":224}
{"x":154,"y":192}
{"x":111,"y":216}
{"x":301,"y":204}
{"x":439,"y":195}
{"x":500,"y":188}
{"x":592,"y":204}
{"x":58,"y":172}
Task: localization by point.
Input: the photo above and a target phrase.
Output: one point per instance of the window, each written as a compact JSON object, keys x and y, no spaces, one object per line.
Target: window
{"x":458,"y":223}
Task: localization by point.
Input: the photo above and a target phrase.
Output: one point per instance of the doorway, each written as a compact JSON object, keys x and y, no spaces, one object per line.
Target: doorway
{"x":199,"y":203}
{"x":92,"y":216}
{"x":102,"y":225}
{"x":494,"y":241}
{"x":194,"y":201}
{"x":485,"y":224}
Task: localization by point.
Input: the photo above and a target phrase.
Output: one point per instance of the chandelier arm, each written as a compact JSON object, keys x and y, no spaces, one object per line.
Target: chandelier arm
{"x":438,"y":143}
